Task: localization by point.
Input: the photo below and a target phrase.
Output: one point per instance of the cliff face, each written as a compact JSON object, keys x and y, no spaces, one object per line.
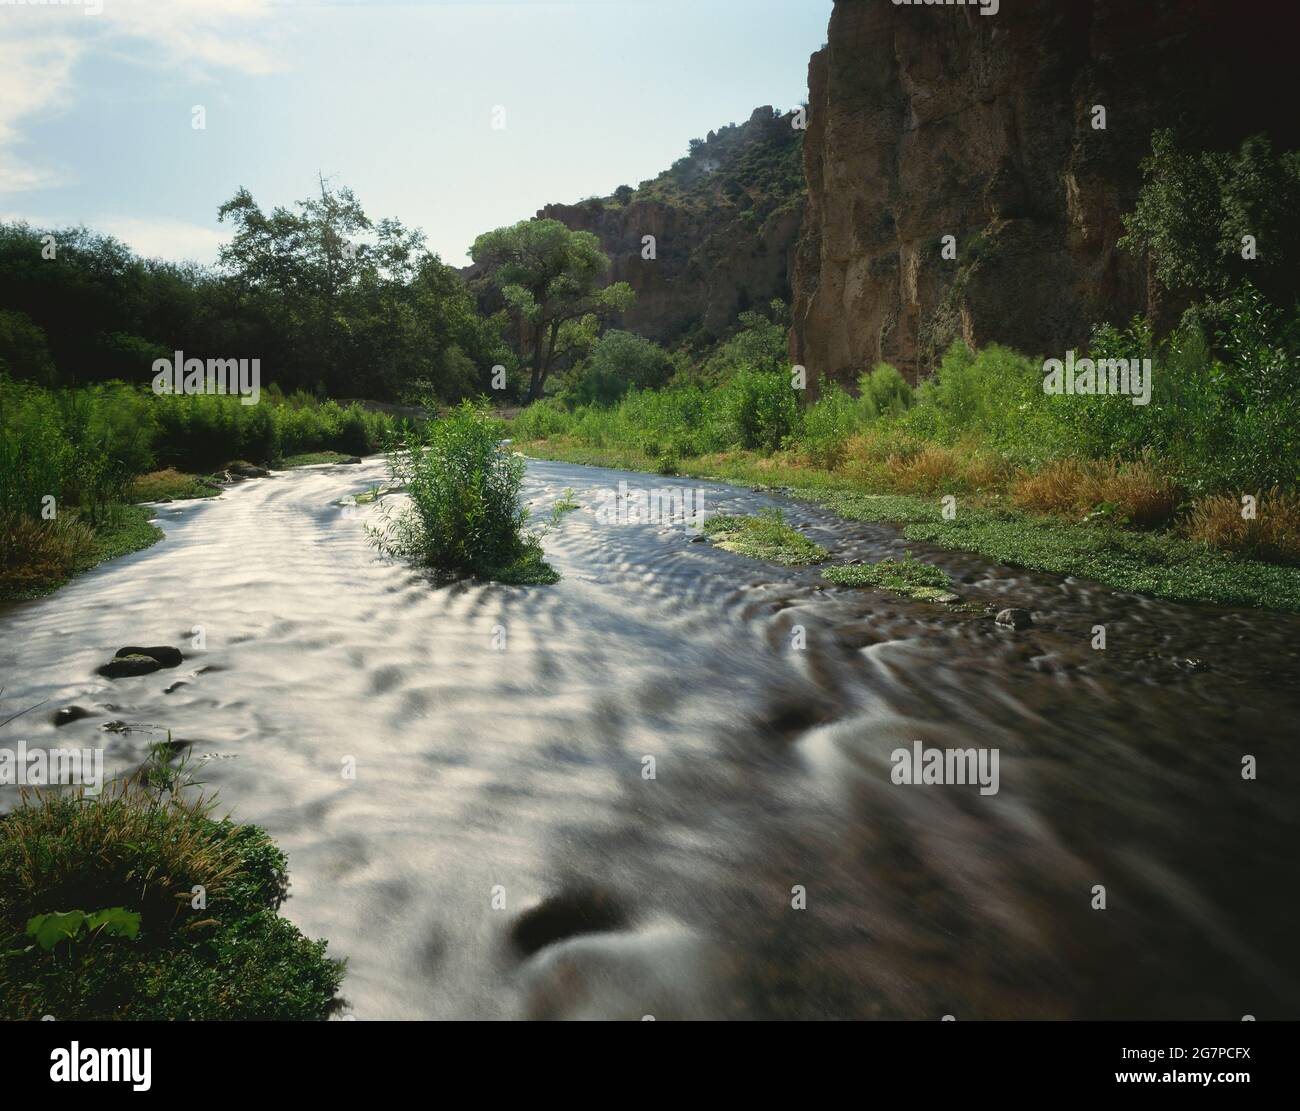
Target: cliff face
{"x":927,"y":121}
{"x":725,"y":220}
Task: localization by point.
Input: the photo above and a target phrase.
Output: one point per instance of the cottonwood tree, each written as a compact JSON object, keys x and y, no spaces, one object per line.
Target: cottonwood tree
{"x":550,"y":278}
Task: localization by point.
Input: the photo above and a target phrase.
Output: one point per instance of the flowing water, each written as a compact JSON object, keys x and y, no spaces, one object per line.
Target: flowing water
{"x":501,"y":851}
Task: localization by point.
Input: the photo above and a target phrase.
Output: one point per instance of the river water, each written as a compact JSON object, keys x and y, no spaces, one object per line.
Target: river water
{"x":500,"y":850}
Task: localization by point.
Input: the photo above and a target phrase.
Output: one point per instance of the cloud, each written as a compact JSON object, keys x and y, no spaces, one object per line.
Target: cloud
{"x":34,"y":70}
{"x":174,"y":240}
{"x":41,"y":44}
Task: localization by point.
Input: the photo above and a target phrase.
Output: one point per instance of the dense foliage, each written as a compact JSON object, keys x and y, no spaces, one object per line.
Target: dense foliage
{"x":327,"y":299}
{"x":99,"y":918}
{"x":464,"y":515}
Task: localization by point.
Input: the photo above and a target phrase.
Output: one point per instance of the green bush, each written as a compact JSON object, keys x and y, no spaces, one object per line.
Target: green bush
{"x":884,"y":392}
{"x":465,"y":515}
{"x":827,"y":425}
{"x":140,"y":853}
{"x":761,"y":410}
{"x":618,"y":362}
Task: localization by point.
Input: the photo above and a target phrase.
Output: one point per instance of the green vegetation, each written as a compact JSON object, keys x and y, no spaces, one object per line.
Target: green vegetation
{"x":550,"y":279}
{"x":749,"y":170}
{"x":764,"y":536}
{"x":71,"y":461}
{"x":312,"y":459}
{"x":157,"y":949}
{"x":1194,"y":496}
{"x":327,"y":299}
{"x":170,"y":484}
{"x":465,"y":517}
{"x":909,"y":576}
{"x":1145,"y":498}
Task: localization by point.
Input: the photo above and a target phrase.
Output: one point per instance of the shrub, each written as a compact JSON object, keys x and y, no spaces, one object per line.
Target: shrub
{"x":618,"y":362}
{"x":542,"y":419}
{"x":827,"y":425}
{"x":760,"y":409}
{"x":464,"y":515}
{"x":884,"y":392}
{"x":141,"y":853}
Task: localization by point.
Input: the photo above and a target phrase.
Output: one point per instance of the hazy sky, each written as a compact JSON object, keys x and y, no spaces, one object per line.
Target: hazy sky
{"x":395,"y":100}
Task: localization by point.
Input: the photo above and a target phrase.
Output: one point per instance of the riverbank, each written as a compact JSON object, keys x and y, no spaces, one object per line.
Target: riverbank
{"x":1161,"y":564}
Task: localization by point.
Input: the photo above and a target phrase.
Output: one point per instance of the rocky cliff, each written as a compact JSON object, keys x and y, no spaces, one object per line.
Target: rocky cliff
{"x":927,"y":121}
{"x":725,"y":220}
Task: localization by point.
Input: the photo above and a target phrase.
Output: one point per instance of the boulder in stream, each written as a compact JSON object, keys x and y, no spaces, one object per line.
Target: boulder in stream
{"x":240,"y":469}
{"x":120,"y":667}
{"x":1014,"y":618}
{"x":140,"y":661}
{"x":69,"y":714}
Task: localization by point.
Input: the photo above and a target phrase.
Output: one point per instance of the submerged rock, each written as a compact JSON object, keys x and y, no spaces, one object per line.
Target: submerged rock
{"x":140,"y":661}
{"x":1014,"y":618}
{"x":166,"y":655}
{"x":119,"y":667}
{"x":581,"y":911}
{"x":69,"y":714}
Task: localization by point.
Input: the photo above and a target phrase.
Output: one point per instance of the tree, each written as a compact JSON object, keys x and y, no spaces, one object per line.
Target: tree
{"x":549,"y":277}
{"x":1196,"y":210}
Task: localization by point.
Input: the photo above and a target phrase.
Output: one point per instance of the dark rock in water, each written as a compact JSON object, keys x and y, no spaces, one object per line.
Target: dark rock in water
{"x":119,"y":667}
{"x":175,"y":686}
{"x":1192,"y":664}
{"x":247,"y":470}
{"x":163,"y":653}
{"x":69,"y":714}
{"x":1014,"y":618}
{"x":697,"y":539}
{"x":582,"y":911}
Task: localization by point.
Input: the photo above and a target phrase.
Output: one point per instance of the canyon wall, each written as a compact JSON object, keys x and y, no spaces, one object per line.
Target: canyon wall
{"x":927,"y":121}
{"x":725,"y":220}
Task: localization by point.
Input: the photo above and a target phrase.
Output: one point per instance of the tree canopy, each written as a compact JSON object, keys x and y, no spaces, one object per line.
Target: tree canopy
{"x":550,"y":278}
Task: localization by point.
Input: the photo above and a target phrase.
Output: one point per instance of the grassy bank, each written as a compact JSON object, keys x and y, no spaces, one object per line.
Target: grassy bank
{"x":138,"y":904}
{"x":1163,"y":563}
{"x":74,"y":461}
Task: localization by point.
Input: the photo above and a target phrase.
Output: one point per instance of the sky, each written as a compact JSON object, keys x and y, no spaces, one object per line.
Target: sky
{"x":402,"y":102}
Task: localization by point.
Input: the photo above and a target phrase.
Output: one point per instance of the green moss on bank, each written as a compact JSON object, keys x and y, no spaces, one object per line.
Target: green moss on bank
{"x":765,"y":536}
{"x":310,"y":459}
{"x":910,"y":576}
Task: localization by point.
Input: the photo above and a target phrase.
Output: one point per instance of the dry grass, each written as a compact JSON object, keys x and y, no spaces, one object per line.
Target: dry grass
{"x":1273,"y":534}
{"x":34,"y":553}
{"x":1135,"y":493}
{"x":941,"y":470}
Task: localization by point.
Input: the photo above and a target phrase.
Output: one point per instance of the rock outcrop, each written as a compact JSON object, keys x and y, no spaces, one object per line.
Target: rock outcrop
{"x":725,"y":220}
{"x":926,"y":121}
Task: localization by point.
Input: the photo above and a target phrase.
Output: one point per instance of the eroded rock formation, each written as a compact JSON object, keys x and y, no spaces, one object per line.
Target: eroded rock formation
{"x":926,"y":121}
